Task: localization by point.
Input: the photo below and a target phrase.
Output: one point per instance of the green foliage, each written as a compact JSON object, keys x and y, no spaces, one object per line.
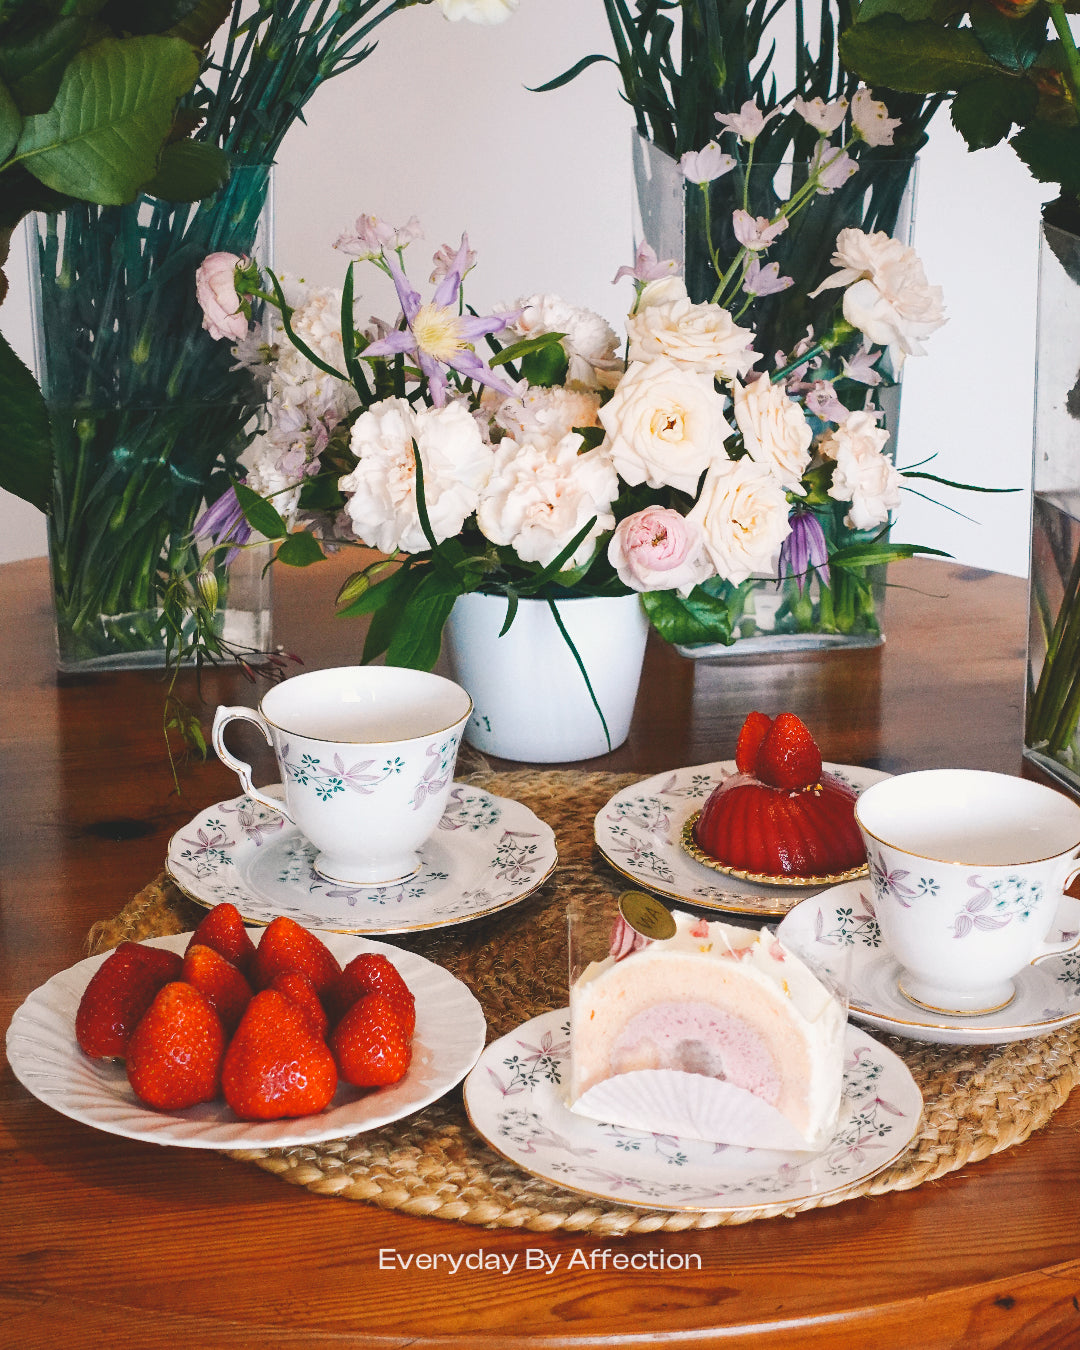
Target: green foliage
{"x":698,"y":618}
{"x":26,"y":445}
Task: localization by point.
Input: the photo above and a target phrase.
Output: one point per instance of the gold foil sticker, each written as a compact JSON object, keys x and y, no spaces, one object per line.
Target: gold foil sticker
{"x":646,"y":915}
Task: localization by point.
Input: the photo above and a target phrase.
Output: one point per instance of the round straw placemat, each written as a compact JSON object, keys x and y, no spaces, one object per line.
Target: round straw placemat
{"x":978,"y":1099}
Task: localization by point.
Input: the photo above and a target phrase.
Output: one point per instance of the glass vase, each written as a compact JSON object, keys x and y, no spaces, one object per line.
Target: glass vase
{"x":1052,"y":721}
{"x":771,"y":614}
{"x":149,"y":415}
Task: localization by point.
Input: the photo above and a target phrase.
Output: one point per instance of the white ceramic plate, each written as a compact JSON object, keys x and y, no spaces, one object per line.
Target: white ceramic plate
{"x":838,"y":931}
{"x":514,"y":1097}
{"x":639,"y":833}
{"x":488,"y":852}
{"x":44,"y":1056}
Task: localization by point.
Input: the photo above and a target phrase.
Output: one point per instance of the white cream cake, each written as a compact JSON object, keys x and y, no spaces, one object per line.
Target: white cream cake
{"x":718,"y":1032}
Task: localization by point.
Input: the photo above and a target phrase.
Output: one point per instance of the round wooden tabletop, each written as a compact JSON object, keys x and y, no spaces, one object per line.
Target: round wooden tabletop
{"x":109,"y":1242}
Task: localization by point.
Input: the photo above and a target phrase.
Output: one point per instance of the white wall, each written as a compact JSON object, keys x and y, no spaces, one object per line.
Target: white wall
{"x":439,"y":123}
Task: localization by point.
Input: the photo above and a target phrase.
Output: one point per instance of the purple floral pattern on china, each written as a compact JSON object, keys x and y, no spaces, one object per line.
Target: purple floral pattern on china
{"x":515,"y":1099}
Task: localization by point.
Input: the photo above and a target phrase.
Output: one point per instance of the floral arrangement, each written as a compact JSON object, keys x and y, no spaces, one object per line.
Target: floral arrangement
{"x":534,"y":452}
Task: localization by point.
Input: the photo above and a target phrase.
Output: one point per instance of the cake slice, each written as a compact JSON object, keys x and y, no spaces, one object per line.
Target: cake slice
{"x":716,"y":1033}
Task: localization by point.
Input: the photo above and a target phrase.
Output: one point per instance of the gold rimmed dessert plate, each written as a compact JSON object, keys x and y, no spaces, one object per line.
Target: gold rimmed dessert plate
{"x":760,"y":878}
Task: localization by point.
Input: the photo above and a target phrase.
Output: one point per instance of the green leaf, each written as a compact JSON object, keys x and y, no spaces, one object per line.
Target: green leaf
{"x":857,"y":557}
{"x":26,"y":445}
{"x":300,"y":550}
{"x":202,"y":22}
{"x":10,"y":122}
{"x":189,"y":170}
{"x":546,"y":366}
{"x":912,"y":10}
{"x":1051,"y":152}
{"x":101,"y":138}
{"x":418,"y":639}
{"x":33,"y":62}
{"x":526,"y":347}
{"x":984,"y":112}
{"x":571,"y":74}
{"x":689,"y":621}
{"x":138,"y":16}
{"x":1012,"y":42}
{"x":393,"y":596}
{"x":915,"y":58}
{"x":260,"y":514}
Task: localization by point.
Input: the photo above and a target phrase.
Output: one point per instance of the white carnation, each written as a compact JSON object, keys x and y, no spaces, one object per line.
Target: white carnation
{"x":547,"y":414}
{"x":266,"y":477}
{"x":542,"y":493}
{"x":704,"y":338}
{"x":775,"y":431}
{"x":381,"y":491}
{"x":743,"y":513}
{"x":590,"y":342}
{"x":863,"y":476}
{"x":478,"y":11}
{"x":665,"y":425}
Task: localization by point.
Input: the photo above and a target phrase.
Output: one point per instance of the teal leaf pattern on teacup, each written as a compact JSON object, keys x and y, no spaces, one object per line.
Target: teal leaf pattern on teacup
{"x":329,"y":780}
{"x":437,"y":772}
{"x":996,"y":904}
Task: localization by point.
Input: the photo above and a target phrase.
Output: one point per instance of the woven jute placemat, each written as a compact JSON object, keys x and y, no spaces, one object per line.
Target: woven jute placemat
{"x":978,"y":1100}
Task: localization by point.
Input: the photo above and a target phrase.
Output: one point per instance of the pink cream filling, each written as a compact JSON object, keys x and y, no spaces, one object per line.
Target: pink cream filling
{"x":697,"y":1038}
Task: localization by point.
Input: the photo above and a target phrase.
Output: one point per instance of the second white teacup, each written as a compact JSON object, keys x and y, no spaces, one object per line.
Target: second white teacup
{"x":366,"y":756}
{"x":968,"y":869}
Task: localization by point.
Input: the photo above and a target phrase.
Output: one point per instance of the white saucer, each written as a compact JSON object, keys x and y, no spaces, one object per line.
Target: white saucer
{"x":837,"y":930}
{"x":488,"y":852}
{"x":639,"y":832}
{"x":514,"y":1098}
{"x":46,"y":1059}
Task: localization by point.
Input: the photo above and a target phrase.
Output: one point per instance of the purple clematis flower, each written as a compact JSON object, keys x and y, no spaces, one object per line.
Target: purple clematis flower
{"x":224,"y":522}
{"x":437,"y":335}
{"x":804,"y":548}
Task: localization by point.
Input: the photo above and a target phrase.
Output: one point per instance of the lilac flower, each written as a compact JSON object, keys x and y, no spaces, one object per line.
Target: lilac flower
{"x":871,"y":119}
{"x":224,"y":522}
{"x":765,"y":280}
{"x":443,"y":261}
{"x":373,"y":236}
{"x":702,"y":166}
{"x":821,"y":400}
{"x":437,"y":335}
{"x":832,"y":166}
{"x":822,"y":116}
{"x":860,"y":367}
{"x":647,"y":267}
{"x":756,"y":233}
{"x":804,"y":548}
{"x":748,"y":123}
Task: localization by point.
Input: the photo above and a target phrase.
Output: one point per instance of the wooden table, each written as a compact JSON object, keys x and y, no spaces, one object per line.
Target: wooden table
{"x":110,"y":1243}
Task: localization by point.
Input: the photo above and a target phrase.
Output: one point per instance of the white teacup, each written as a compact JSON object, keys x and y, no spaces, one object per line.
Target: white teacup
{"x":367,"y":757}
{"x":968,"y":870}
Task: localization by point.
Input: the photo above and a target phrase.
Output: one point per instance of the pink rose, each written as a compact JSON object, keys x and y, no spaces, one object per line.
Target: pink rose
{"x":215,"y":290}
{"x":659,"y":550}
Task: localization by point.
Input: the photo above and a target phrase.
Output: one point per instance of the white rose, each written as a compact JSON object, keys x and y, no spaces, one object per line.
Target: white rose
{"x":662,"y":291}
{"x":547,"y":414}
{"x":665,"y":425}
{"x":774,"y":429}
{"x":863,"y":475}
{"x":704,"y":338}
{"x":887,"y":295}
{"x":589,"y":342}
{"x":657,"y":549}
{"x":743,"y":514}
{"x":478,"y":11}
{"x":381,"y":490}
{"x":541,"y":494}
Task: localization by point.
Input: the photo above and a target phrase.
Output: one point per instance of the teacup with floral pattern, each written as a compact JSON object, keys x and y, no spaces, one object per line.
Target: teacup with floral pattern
{"x":968,"y":868}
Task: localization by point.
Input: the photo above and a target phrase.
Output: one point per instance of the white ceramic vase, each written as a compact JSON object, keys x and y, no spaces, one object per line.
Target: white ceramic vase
{"x":530,"y":699}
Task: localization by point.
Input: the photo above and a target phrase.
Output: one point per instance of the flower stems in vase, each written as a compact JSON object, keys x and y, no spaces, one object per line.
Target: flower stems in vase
{"x":1053,"y":709}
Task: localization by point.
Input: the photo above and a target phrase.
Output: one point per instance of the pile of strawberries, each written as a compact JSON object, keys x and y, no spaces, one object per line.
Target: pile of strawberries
{"x":272,"y":1028}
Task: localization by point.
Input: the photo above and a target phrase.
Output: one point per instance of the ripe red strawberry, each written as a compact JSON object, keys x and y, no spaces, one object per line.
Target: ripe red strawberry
{"x":285,"y":946}
{"x":788,"y":757}
{"x":223,"y":929}
{"x":371,"y":973}
{"x":219,"y":981}
{"x":174,"y":1057}
{"x":296,"y":987}
{"x":370,"y":1045}
{"x":754,"y":730}
{"x":119,"y":992}
{"x":275,"y":1065}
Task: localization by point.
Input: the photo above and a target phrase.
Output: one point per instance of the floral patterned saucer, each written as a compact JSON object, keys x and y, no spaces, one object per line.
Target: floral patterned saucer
{"x":487,"y":852}
{"x":838,"y":931}
{"x":514,"y":1098}
{"x":640,"y":832}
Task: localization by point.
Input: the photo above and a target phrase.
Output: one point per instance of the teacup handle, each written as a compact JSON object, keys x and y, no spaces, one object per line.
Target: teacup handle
{"x":1070,"y":872}
{"x":222,"y":718}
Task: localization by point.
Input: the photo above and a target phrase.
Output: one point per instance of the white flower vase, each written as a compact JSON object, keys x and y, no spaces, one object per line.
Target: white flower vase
{"x":530,"y":698}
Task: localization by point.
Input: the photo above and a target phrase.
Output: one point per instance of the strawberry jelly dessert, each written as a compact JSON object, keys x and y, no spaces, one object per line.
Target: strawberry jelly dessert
{"x":716,"y":1033}
{"x":780,"y":815}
